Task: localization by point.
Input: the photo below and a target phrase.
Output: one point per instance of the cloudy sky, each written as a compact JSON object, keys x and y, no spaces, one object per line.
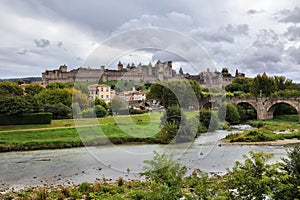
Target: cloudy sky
{"x":36,"y":35}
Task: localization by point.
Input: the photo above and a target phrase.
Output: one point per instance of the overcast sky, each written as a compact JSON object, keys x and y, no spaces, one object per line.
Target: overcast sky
{"x":253,"y":37}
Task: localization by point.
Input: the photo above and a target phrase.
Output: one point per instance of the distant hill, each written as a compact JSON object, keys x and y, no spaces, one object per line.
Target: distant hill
{"x":26,"y":80}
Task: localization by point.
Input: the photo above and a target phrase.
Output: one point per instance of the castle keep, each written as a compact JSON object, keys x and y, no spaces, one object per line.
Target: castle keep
{"x":143,"y":73}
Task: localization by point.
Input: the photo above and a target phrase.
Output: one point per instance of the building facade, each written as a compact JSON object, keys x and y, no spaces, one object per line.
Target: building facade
{"x":101,"y":91}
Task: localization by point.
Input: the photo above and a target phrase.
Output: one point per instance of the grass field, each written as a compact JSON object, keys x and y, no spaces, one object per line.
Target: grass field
{"x":120,"y":129}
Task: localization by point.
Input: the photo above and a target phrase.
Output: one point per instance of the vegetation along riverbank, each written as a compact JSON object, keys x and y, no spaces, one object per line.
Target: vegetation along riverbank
{"x":254,"y":178}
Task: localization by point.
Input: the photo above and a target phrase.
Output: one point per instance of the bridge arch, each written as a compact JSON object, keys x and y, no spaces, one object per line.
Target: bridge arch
{"x":272,"y":107}
{"x":245,"y":114}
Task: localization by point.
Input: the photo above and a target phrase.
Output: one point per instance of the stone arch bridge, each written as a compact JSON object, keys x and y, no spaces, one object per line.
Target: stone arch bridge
{"x":264,"y":106}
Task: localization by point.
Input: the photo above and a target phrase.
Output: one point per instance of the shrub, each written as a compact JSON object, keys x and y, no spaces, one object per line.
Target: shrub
{"x":88,"y":113}
{"x":209,"y":119}
{"x":229,"y":113}
{"x":34,"y":118}
{"x":100,"y":111}
{"x":59,"y":111}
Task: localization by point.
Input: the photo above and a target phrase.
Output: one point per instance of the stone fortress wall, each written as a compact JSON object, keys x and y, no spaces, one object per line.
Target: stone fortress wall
{"x":160,"y":71}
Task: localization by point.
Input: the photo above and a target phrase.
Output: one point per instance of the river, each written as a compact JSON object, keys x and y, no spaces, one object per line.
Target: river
{"x":75,"y":165}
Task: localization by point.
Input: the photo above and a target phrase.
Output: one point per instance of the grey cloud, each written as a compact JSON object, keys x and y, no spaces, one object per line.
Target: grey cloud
{"x":253,"y":12}
{"x":266,"y":38}
{"x":294,"y":54}
{"x":22,"y":51}
{"x":172,"y":20}
{"x":223,"y":34}
{"x":42,"y":43}
{"x":59,"y":44}
{"x":287,"y":16}
{"x":293,"y":33}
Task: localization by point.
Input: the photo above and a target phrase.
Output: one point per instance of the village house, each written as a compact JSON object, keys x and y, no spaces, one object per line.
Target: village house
{"x":101,"y":91}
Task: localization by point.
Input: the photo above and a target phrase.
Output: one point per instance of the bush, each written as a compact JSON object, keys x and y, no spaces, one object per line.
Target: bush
{"x":209,"y":119}
{"x":59,"y":111}
{"x":229,"y":113}
{"x":88,"y":113}
{"x":100,"y":111}
{"x":34,"y":118}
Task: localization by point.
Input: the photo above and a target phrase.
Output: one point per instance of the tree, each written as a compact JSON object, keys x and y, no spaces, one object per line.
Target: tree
{"x":100,"y":111}
{"x":101,"y":102}
{"x":117,"y":104}
{"x":176,"y":92}
{"x":253,"y":179}
{"x":59,"y":111}
{"x":80,"y":98}
{"x":263,"y":86}
{"x":33,"y":89}
{"x":56,"y":85}
{"x":209,"y":119}
{"x":14,"y":105}
{"x":82,"y":88}
{"x":229,"y":113}
{"x":54,"y":96}
{"x":10,"y":88}
{"x":292,"y":167}
{"x":176,"y":127}
{"x":163,"y":170}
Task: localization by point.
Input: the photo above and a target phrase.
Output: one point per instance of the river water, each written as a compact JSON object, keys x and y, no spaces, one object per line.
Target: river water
{"x":69,"y":166}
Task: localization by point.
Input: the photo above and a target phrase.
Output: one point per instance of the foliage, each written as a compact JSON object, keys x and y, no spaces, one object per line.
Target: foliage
{"x":246,"y":112}
{"x":14,"y":105}
{"x":176,"y":92}
{"x":33,"y":89}
{"x":163,"y":170}
{"x":101,"y":102}
{"x":80,"y":98}
{"x":229,"y":113}
{"x":33,"y":118}
{"x":10,"y":88}
{"x":88,"y":113}
{"x":54,"y":96}
{"x":176,"y":126}
{"x":292,"y":167}
{"x":286,"y":93}
{"x":100,"y":111}
{"x":263,"y":86}
{"x":209,"y":119}
{"x":82,"y":88}
{"x":56,"y":85}
{"x":117,"y":104}
{"x":253,"y":179}
{"x":59,"y":111}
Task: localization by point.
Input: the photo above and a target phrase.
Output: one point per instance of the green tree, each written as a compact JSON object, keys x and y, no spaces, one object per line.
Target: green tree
{"x":56,"y":85}
{"x":209,"y":119}
{"x":33,"y":89}
{"x":164,"y":171}
{"x":54,"y":96}
{"x":59,"y":111}
{"x":176,"y":92}
{"x":253,"y":179}
{"x":101,"y":102}
{"x":100,"y":111}
{"x":229,"y":113}
{"x":14,"y":105}
{"x":263,"y":86}
{"x":118,"y":104}
{"x":82,"y":88}
{"x":10,"y":88}
{"x":292,"y":182}
{"x":80,"y":98}
{"x":176,"y":127}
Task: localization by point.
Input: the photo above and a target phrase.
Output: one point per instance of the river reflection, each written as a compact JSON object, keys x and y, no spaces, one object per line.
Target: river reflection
{"x":68,"y":166}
